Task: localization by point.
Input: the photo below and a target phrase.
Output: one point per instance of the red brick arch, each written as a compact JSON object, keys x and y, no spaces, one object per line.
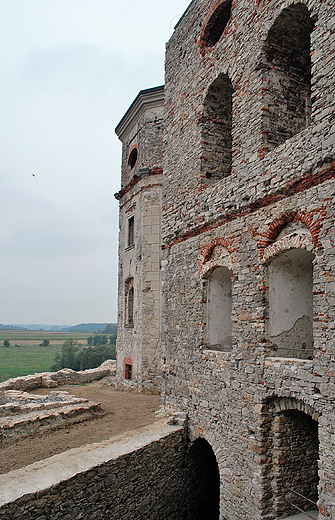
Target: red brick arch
{"x":269,"y":236}
{"x":127,"y":361}
{"x":207,"y":250}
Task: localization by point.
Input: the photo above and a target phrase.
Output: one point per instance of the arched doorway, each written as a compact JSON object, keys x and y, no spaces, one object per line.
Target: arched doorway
{"x":202,"y":483}
{"x":291,"y":443}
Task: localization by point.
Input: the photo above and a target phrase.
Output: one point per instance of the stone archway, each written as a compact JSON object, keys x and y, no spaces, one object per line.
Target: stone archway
{"x":202,"y":482}
{"x":291,"y":445}
{"x":295,"y":462}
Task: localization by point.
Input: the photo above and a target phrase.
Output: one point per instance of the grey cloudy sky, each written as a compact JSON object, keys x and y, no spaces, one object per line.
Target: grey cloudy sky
{"x":69,"y":69}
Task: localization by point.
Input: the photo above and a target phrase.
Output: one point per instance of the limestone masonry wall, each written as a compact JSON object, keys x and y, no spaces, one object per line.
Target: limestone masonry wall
{"x":267,"y":220}
{"x":137,"y":475}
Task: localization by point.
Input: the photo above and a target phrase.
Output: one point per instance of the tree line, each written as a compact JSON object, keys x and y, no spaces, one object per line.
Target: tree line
{"x":99,"y":348}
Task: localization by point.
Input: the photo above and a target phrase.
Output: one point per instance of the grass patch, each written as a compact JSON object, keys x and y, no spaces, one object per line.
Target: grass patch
{"x":35,"y":337}
{"x":25,"y":360}
{"x":25,"y":356}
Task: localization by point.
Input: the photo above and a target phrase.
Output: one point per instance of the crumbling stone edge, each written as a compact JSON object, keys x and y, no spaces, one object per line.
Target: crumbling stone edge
{"x":65,"y":376}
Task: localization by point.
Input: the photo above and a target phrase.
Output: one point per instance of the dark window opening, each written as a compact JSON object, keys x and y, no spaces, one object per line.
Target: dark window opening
{"x":130,"y":241}
{"x":216,"y":24}
{"x":132,"y":160}
{"x":287,"y":75}
{"x":130,"y":307}
{"x":216,"y":129}
{"x":128,"y":371}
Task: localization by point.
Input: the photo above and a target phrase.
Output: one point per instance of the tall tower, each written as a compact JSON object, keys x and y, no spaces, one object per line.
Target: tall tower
{"x":140,"y":198}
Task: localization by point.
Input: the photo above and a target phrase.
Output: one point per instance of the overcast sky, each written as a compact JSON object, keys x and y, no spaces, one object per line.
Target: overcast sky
{"x":69,"y":69}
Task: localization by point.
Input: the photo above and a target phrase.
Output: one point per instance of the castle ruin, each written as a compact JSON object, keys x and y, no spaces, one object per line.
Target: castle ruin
{"x":226,"y":252}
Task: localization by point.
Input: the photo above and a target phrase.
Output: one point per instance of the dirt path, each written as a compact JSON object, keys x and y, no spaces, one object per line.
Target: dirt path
{"x":122,"y":411}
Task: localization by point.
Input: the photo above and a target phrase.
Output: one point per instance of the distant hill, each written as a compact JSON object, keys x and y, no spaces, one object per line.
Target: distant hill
{"x":11,"y":327}
{"x":102,"y":328}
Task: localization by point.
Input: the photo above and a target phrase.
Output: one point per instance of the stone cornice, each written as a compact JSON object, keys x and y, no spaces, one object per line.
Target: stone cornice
{"x":149,"y":98}
{"x":142,"y":173}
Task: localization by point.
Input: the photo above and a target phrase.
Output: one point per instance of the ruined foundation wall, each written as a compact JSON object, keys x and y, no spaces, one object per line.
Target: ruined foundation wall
{"x":66,"y":376}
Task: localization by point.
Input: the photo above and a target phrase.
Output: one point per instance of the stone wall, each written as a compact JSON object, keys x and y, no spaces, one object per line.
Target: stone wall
{"x":248,"y":247}
{"x":137,"y":475}
{"x":278,"y":196}
{"x":66,"y":376}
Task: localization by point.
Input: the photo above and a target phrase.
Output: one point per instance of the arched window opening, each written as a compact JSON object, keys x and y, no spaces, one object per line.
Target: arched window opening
{"x":216,"y":129}
{"x":294,"y":463}
{"x":132,"y":159}
{"x":287,"y":71}
{"x":129,"y":303}
{"x":219,"y":309}
{"x":202,"y":483}
{"x":214,"y":27}
{"x":291,"y":304}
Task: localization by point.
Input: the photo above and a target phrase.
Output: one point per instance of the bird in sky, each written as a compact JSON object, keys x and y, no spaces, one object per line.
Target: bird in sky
{"x":33,"y":175}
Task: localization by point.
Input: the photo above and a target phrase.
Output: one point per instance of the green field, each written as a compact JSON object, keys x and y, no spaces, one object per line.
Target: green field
{"x":28,"y":357}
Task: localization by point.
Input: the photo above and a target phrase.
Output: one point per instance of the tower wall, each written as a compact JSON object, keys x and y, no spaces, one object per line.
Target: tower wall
{"x":138,"y":341}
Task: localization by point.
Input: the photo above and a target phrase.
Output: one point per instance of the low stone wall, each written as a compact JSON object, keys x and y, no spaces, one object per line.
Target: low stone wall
{"x":138,"y":475}
{"x":21,"y":412}
{"x":62,"y":377}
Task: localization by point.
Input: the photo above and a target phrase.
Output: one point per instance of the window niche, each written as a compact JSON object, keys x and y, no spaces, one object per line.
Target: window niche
{"x":291,"y":304}
{"x":216,"y":129}
{"x":286,"y":69}
{"x":131,"y":232}
{"x":129,"y":303}
{"x":219,"y":309}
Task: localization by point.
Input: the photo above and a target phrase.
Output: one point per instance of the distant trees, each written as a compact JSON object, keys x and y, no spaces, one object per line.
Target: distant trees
{"x":45,"y":343}
{"x":6,"y":343}
{"x":110,"y":329}
{"x":68,"y":357}
{"x":112,"y":339}
{"x":82,"y":358}
{"x":101,"y":339}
